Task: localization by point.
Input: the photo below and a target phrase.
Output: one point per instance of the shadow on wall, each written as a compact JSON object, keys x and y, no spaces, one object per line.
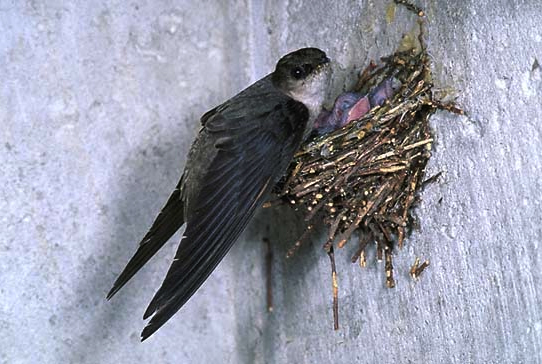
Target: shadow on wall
{"x":148,"y":175}
{"x":259,"y":332}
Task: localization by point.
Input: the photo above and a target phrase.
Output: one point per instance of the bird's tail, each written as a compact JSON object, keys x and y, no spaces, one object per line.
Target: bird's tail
{"x":166,"y":224}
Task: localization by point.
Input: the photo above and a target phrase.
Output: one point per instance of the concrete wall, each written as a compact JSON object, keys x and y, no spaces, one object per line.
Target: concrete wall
{"x":99,"y":102}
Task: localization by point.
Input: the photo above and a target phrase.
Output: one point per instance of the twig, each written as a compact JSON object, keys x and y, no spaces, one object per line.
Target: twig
{"x":417,"y":268}
{"x":335,"y":286}
{"x":269,"y":274}
{"x":299,"y":241}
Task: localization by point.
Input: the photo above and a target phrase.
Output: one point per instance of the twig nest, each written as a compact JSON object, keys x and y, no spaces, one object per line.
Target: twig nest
{"x":366,"y":175}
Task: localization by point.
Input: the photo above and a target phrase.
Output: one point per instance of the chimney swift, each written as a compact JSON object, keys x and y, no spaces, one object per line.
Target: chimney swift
{"x":241,"y":151}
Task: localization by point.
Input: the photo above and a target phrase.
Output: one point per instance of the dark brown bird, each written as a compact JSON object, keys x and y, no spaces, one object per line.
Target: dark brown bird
{"x":242,"y":149}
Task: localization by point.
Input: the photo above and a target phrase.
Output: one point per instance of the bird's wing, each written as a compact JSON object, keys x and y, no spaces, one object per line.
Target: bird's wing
{"x":252,"y":153}
{"x":168,"y":221}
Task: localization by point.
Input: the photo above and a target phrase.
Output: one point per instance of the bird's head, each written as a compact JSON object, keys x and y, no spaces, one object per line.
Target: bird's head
{"x":304,"y":76}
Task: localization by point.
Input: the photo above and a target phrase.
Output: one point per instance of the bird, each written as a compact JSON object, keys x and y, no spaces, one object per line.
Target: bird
{"x":350,"y":106}
{"x":243,"y":148}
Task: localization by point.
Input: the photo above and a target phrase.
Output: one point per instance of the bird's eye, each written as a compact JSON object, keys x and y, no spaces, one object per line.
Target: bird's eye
{"x":298,"y":73}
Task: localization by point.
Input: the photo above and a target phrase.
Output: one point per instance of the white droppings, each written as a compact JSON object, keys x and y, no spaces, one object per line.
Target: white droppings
{"x":500,"y":83}
{"x":172,"y":29}
{"x":57,"y":106}
{"x":151,"y":53}
{"x":63,"y":107}
{"x":527,"y":87}
{"x":170,"y":22}
{"x":518,"y":164}
{"x":472,"y":128}
{"x":494,"y":122}
{"x":535,"y":74}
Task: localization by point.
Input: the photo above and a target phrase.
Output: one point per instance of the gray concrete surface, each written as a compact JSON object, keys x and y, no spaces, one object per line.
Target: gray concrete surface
{"x":99,"y":101}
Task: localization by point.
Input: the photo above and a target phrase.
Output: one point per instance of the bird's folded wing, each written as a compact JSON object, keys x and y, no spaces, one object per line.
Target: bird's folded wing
{"x":252,"y":154}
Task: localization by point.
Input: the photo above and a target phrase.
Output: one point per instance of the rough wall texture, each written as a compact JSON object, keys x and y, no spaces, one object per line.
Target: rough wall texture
{"x":99,"y":102}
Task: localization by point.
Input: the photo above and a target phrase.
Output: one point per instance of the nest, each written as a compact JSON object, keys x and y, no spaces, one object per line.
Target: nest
{"x":366,"y":176}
